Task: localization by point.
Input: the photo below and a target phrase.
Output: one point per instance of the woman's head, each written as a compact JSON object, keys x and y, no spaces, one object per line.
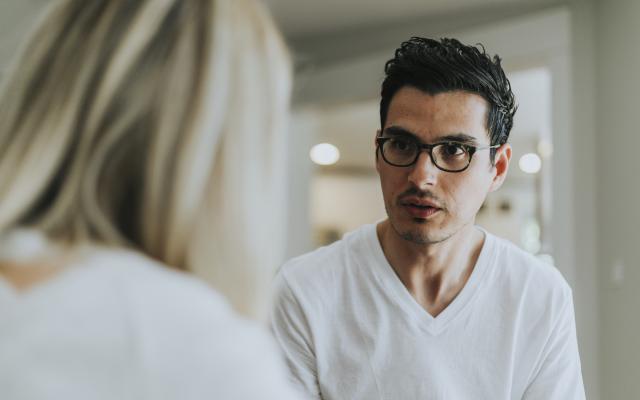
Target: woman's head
{"x":152,"y":124}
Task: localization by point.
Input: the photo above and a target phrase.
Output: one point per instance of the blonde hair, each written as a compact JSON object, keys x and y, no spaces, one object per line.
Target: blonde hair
{"x":156,"y":125}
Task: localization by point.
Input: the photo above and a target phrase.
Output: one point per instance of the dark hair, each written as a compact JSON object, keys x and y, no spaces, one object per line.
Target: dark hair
{"x":447,"y":65}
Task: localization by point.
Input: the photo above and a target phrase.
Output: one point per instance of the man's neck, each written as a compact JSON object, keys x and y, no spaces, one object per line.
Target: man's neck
{"x":434,"y":273}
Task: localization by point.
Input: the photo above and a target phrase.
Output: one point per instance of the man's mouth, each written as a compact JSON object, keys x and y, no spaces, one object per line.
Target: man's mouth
{"x":420,"y":209}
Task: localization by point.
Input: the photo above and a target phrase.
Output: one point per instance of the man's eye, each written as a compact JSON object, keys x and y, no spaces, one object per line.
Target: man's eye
{"x":400,"y":144}
{"x":452,"y":149}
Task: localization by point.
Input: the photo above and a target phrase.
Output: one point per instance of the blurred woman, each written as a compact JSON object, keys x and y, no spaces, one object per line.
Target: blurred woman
{"x":141,"y":142}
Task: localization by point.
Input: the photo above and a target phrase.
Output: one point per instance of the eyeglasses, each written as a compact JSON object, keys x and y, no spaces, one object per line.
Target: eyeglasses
{"x":447,"y":156}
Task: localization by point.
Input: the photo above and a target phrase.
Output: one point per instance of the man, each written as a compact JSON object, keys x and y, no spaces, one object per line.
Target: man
{"x":426,"y":305}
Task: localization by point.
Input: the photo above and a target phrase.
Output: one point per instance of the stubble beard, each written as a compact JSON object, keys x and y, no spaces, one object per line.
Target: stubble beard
{"x":417,"y":235}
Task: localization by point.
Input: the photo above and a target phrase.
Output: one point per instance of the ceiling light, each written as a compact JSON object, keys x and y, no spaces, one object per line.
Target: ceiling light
{"x":324,"y":154}
{"x":545,"y":148}
{"x":530,"y":163}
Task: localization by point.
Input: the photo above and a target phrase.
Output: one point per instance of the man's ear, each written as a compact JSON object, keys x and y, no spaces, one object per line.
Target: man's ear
{"x":501,"y":166}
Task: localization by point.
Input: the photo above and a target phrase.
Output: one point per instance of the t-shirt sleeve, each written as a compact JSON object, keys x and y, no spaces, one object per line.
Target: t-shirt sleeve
{"x":559,"y":375}
{"x":292,"y":332}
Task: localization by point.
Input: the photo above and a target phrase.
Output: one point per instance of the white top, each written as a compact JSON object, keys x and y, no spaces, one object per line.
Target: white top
{"x":116,"y":325}
{"x":350,"y":329}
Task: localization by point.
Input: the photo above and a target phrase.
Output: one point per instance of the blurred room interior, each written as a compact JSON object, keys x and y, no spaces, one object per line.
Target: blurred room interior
{"x":572,"y":193}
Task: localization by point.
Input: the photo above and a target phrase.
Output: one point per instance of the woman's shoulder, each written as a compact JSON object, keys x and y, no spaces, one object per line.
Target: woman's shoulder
{"x":153,"y":293}
{"x":144,"y":277}
{"x":188,"y":339}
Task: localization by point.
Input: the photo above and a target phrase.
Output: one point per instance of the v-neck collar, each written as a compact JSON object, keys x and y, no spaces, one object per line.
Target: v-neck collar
{"x":391,"y":283}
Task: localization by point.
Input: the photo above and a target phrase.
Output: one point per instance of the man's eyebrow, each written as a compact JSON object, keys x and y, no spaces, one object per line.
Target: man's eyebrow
{"x":454,"y":137}
{"x":398,"y":131}
{"x":459,"y":137}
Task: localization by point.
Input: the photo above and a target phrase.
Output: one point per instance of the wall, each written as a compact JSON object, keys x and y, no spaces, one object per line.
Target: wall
{"x":299,"y":170}
{"x":618,"y":187}
{"x":583,"y":120}
{"x":345,"y":202}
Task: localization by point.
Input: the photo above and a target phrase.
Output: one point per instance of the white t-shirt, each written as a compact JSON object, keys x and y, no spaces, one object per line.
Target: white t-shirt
{"x":350,"y":329}
{"x":116,"y":325}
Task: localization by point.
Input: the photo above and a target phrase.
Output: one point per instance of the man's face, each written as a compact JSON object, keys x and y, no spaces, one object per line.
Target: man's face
{"x":424,"y":204}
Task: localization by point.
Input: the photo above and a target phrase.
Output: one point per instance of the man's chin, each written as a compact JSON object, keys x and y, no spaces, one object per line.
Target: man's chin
{"x":421,"y":234}
{"x":422,"y":238}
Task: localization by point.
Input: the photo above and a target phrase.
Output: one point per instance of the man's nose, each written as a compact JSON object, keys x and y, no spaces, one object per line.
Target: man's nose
{"x":423,"y":172}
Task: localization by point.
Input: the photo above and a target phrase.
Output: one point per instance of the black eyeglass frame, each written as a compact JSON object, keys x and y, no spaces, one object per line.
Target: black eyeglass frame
{"x":470,"y":149}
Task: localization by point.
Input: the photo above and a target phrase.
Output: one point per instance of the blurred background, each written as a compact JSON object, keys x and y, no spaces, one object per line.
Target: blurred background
{"x":573,"y":192}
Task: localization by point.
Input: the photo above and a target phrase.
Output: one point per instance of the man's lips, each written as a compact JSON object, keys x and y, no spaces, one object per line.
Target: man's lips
{"x":420,"y":208}
{"x":419,"y":201}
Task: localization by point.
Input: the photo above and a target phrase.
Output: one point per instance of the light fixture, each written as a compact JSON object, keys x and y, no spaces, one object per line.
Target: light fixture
{"x":324,"y":154}
{"x":545,"y":148}
{"x":530,"y":163}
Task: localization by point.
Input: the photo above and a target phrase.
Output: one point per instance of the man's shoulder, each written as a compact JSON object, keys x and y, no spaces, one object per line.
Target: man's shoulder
{"x":528,"y":274}
{"x":325,"y":265}
{"x":315,"y":261}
